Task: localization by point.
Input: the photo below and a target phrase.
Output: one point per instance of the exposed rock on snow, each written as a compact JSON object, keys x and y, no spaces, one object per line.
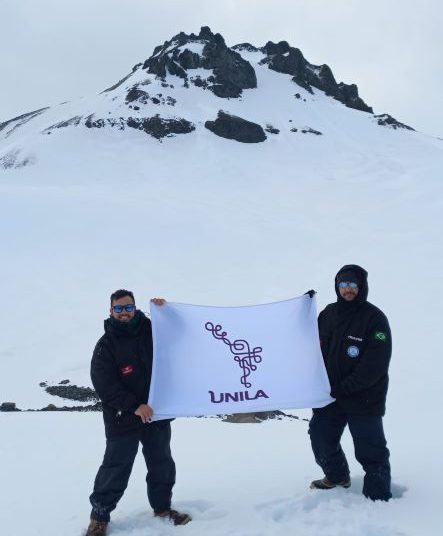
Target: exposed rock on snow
{"x":285,"y":59}
{"x":123,"y":80}
{"x":90,"y":407}
{"x":156,"y":126}
{"x":8,"y":406}
{"x":259,"y":417}
{"x":310,"y":130}
{"x":159,"y":127}
{"x":387,"y":120}
{"x":20,"y":120}
{"x":74,"y":121}
{"x":73,"y":392}
{"x":100,"y":123}
{"x":235,"y":128}
{"x":253,"y":417}
{"x":13,"y":159}
{"x":245,"y":47}
{"x":136,"y":95}
{"x":231,"y":73}
{"x":272,"y":130}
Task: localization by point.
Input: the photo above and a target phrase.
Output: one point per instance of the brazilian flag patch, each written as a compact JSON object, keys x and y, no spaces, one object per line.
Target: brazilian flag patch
{"x":380,"y":336}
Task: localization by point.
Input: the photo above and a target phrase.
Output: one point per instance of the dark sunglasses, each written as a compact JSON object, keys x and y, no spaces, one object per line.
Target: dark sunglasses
{"x":128,"y":308}
{"x":350,"y":284}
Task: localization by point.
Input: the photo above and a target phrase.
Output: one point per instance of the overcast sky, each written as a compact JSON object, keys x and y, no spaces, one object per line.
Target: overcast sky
{"x":57,"y":50}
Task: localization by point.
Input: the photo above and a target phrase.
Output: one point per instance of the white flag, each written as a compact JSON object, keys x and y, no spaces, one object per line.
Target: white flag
{"x":217,"y":360}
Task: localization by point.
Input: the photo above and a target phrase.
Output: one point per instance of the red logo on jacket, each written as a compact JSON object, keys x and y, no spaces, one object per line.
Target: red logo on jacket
{"x":127,"y":370}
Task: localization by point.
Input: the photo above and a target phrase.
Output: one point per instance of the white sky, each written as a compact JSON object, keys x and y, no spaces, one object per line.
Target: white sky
{"x":57,"y":50}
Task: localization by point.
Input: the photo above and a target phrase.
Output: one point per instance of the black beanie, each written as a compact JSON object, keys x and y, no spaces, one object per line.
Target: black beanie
{"x":350,"y":275}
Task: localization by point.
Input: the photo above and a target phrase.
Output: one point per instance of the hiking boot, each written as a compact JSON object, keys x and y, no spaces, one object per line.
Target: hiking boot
{"x":324,"y":483}
{"x":97,"y":528}
{"x":178,"y":518}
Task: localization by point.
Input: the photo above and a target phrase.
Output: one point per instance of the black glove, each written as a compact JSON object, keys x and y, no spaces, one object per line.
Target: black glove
{"x":311,"y":293}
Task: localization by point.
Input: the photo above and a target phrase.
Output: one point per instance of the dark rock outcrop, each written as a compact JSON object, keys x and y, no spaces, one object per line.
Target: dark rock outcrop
{"x":136,"y":95}
{"x":235,"y":128}
{"x":387,"y":120}
{"x":100,"y":123}
{"x":8,"y":406}
{"x":22,"y":119}
{"x":189,"y":60}
{"x":247,"y":47}
{"x":90,"y":407}
{"x":73,"y":392}
{"x":120,"y":82}
{"x":155,"y":126}
{"x":73,"y":121}
{"x":283,"y":58}
{"x":276,"y":49}
{"x":310,"y":130}
{"x":159,"y":127}
{"x":198,"y":81}
{"x":116,"y":85}
{"x":231,"y":73}
{"x":259,"y":417}
{"x":272,"y":130}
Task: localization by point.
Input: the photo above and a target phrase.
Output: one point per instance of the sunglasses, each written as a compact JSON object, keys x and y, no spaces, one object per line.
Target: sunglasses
{"x":128,"y":308}
{"x":350,"y":284}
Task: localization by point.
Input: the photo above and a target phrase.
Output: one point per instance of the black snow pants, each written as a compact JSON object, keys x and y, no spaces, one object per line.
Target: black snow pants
{"x":326,"y":428}
{"x":113,"y":476}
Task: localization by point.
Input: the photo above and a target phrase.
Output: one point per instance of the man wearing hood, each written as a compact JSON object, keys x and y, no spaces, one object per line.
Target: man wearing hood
{"x":121,"y":374}
{"x":356,"y":344}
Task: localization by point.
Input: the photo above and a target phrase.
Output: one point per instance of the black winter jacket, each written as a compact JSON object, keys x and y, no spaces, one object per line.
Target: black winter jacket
{"x":121,"y":372}
{"x":356,"y":344}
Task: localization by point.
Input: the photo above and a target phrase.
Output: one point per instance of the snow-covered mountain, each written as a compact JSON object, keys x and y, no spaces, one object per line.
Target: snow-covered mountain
{"x":225,"y":176}
{"x":196,"y":85}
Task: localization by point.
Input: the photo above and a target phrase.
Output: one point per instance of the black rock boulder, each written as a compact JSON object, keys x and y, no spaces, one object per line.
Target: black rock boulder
{"x":232,"y":127}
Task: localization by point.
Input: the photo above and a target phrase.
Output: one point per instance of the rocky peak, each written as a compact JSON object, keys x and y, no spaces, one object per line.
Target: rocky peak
{"x":283,"y":58}
{"x":272,"y":49}
{"x":147,"y":98}
{"x":245,"y":47}
{"x":230,"y":72}
{"x":183,"y":38}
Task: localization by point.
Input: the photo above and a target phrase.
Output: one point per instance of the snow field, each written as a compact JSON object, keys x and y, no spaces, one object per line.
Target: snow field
{"x":234,"y":479}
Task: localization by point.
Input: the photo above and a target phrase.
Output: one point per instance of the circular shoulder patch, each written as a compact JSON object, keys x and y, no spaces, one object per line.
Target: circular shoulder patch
{"x":353,"y":351}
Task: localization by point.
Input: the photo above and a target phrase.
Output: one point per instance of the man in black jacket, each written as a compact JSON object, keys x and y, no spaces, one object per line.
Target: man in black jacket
{"x":356,"y":344}
{"x":121,"y":374}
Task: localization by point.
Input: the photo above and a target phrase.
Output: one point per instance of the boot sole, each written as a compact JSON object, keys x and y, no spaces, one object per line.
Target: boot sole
{"x":345,"y":486}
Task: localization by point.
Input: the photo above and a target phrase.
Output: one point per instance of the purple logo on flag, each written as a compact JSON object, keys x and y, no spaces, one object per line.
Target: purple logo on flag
{"x":243,"y":354}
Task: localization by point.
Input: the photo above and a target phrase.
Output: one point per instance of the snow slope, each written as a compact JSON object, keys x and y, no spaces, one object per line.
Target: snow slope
{"x":197,"y":218}
{"x":233,"y":479}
